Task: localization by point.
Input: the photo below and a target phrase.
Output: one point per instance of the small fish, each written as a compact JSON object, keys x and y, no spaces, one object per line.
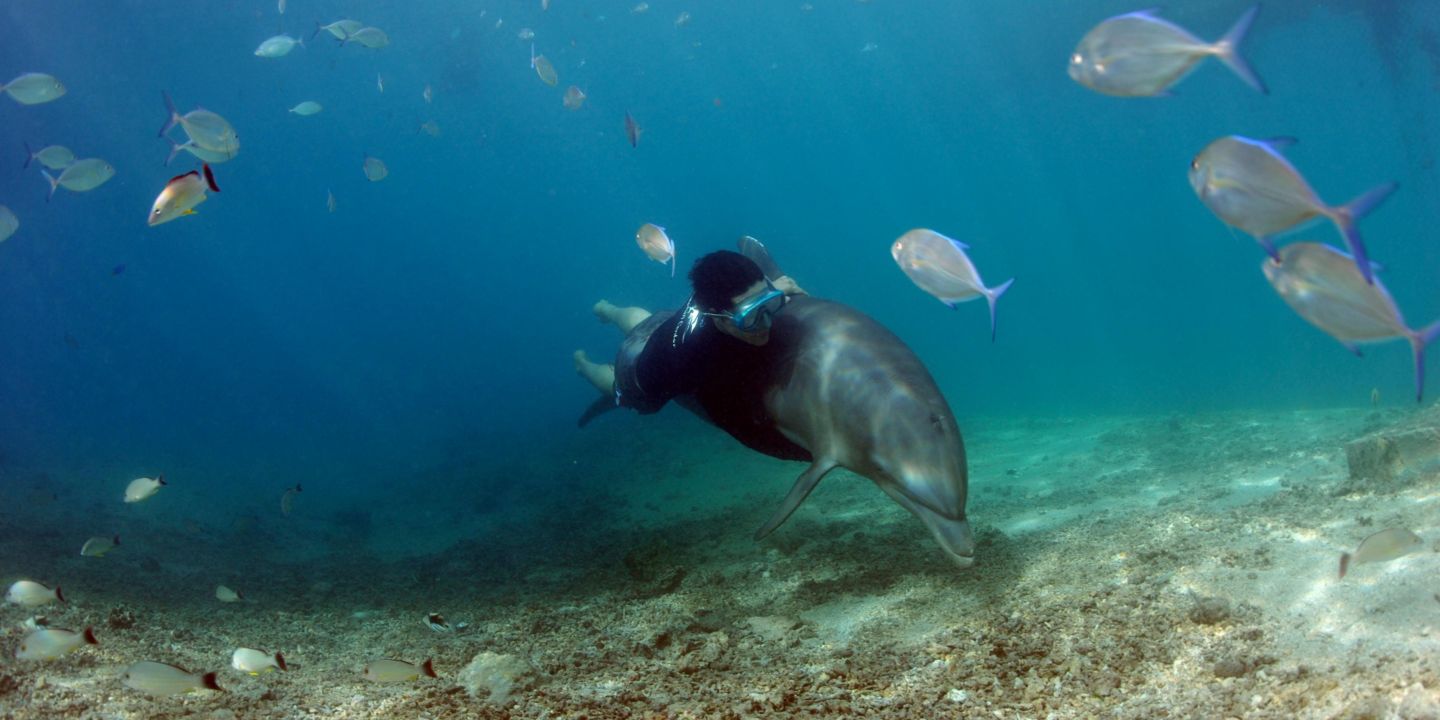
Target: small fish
{"x":143,"y":488}
{"x":656,"y":244}
{"x":256,"y":662}
{"x":28,"y":593}
{"x":51,"y":643}
{"x":371,"y":37}
{"x":1249,"y":185}
{"x":640,"y":8}
{"x":545,"y":70}
{"x":375,"y":169}
{"x":1383,"y":546}
{"x":226,"y":595}
{"x":431,"y":128}
{"x":632,"y":130}
{"x":282,"y":7}
{"x":338,"y":29}
{"x":181,"y":195}
{"x":55,"y":157}
{"x":682,"y":19}
{"x":8,"y":223}
{"x":1374,"y":397}
{"x":380,"y":82}
{"x":287,"y":500}
{"x":1140,"y":55}
{"x":544,"y":5}
{"x":98,"y":546}
{"x":163,"y":679}
{"x":574,"y":98}
{"x":1320,"y":284}
{"x":278,"y":46}
{"x":869,"y":47}
{"x":330,"y":201}
{"x":82,"y":176}
{"x":939,"y":266}
{"x":205,"y":128}
{"x":525,"y":34}
{"x":388,"y":671}
{"x":208,"y":156}
{"x":34,"y":88}
{"x":436,"y":622}
{"x":428,"y":94}
{"x":307,"y":108}
{"x":806,"y":7}
{"x":117,"y":270}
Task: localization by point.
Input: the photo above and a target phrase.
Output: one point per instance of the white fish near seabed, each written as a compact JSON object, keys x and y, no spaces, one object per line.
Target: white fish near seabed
{"x":371,"y":37}
{"x":55,"y":157}
{"x":375,"y":169}
{"x":287,"y":500}
{"x":389,"y":671}
{"x":143,"y":488}
{"x":51,"y":643}
{"x":205,"y":128}
{"x":939,"y":266}
{"x":1320,"y":284}
{"x":164,"y":679}
{"x":34,"y":88}
{"x":81,"y":176}
{"x":28,"y":593}
{"x":278,"y":46}
{"x":307,"y":108}
{"x":255,"y":662}
{"x":98,"y":546}
{"x":338,"y":29}
{"x":226,"y":595}
{"x":181,"y":195}
{"x":8,"y":223}
{"x":574,"y":98}
{"x":1383,"y":546}
{"x":1141,"y":55}
{"x":656,"y":244}
{"x":208,"y":156}
{"x":1249,"y":185}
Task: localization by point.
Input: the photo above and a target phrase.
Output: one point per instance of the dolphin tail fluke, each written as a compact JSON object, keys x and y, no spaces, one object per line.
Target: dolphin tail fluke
{"x":801,"y":490}
{"x":602,"y":405}
{"x":992,"y":295}
{"x":755,"y":250}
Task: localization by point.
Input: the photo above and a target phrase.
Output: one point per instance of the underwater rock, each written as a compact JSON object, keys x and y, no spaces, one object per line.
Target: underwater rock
{"x":492,"y":676}
{"x":1229,"y":668}
{"x":1419,"y":704}
{"x":1210,"y":610}
{"x":1382,"y":462}
{"x":120,"y":618}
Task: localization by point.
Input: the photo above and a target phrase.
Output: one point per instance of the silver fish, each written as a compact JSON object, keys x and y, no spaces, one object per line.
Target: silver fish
{"x":255,"y":662}
{"x":55,"y":157}
{"x":98,"y":546}
{"x":205,"y":128}
{"x":81,"y":176}
{"x":1249,"y":185}
{"x":656,"y":244}
{"x":339,"y":29}
{"x":1141,"y":55}
{"x":387,"y":670}
{"x":939,"y":266}
{"x":1320,"y":284}
{"x":209,"y":156}
{"x":278,"y":46}
{"x":28,"y":593}
{"x":1384,"y":546}
{"x":371,"y":37}
{"x":162,"y":679}
{"x":51,"y":643}
{"x":375,"y":169}
{"x":34,"y":88}
{"x":8,"y":223}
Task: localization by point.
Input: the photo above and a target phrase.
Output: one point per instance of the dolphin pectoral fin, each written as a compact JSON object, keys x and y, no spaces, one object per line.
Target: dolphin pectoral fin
{"x":801,"y":490}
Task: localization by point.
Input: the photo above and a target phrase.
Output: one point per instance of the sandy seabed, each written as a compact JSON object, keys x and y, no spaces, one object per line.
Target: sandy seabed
{"x":1179,"y":566}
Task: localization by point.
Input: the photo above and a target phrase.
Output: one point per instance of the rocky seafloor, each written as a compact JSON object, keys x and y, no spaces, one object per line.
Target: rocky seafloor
{"x":1128,"y":567}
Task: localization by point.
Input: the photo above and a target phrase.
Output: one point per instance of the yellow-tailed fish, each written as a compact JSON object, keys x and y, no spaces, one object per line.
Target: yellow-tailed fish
{"x":307,"y":108}
{"x":80,"y":176}
{"x":1249,"y":185}
{"x":143,"y":488}
{"x":574,"y":98}
{"x":164,"y":679}
{"x":28,"y":593}
{"x":656,"y":244}
{"x":371,"y":37}
{"x":287,"y":501}
{"x":181,"y":195}
{"x":8,"y":223}
{"x":390,"y":671}
{"x":205,"y":128}
{"x":339,"y":29}
{"x":1383,"y":546}
{"x":1141,"y":55}
{"x":278,"y":46}
{"x":257,"y":661}
{"x":375,"y":169}
{"x":226,"y":595}
{"x":98,"y":546}
{"x":1320,"y":284}
{"x":330,"y":201}
{"x":34,"y":88}
{"x":51,"y":643}
{"x":55,"y":157}
{"x":209,"y":156}
{"x":939,"y":266}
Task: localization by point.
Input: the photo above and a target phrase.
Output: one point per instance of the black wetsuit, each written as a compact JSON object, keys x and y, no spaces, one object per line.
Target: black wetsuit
{"x":724,"y":375}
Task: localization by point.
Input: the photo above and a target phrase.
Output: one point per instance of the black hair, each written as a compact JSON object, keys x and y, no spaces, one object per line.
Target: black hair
{"x":718,"y":277}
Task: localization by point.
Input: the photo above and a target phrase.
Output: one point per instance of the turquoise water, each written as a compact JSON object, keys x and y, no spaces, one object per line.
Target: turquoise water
{"x":267,"y":341}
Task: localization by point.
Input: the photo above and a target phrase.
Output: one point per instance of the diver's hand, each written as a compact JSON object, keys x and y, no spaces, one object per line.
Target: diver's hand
{"x":787,"y":285}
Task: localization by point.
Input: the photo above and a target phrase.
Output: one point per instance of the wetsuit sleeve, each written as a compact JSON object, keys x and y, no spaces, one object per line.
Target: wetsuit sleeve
{"x":665,"y":368}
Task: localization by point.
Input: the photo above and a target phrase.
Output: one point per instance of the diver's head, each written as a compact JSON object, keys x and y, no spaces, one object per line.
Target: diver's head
{"x":731,"y":289}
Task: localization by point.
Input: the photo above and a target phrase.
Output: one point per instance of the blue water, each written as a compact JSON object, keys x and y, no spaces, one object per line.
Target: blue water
{"x":267,"y":341}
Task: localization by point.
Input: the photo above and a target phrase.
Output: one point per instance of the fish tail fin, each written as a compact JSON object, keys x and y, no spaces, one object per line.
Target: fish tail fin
{"x":318,"y":28}
{"x":175,"y":149}
{"x":173,"y":115}
{"x":428,"y":668}
{"x":28,"y":157}
{"x":160,"y":479}
{"x":59,"y":595}
{"x":90,"y":636}
{"x":53,"y":184}
{"x":301,"y":41}
{"x":993,"y":294}
{"x":208,"y":682}
{"x":210,"y":177}
{"x":1418,"y":341}
{"x":1344,"y":564}
{"x":1228,"y":49}
{"x":672,"y":265}
{"x":280,"y":660}
{"x":1348,"y":215}
{"x":1269,"y":244}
